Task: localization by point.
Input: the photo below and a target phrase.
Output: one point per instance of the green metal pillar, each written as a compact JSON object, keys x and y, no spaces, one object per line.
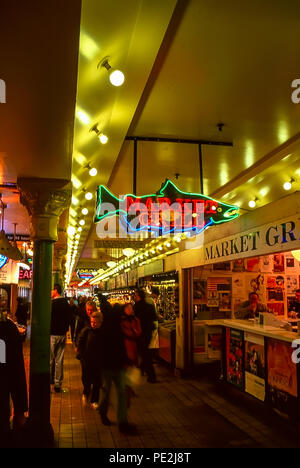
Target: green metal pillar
{"x":39,"y":398}
{"x":45,"y":200}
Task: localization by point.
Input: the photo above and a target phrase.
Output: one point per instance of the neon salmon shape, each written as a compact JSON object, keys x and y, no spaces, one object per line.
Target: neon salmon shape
{"x":169,"y":210}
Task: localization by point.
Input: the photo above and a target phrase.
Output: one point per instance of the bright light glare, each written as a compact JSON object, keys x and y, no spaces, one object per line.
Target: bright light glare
{"x":287,"y":186}
{"x":88,"y":195}
{"x":93,"y":172}
{"x":103,"y":138}
{"x":116,"y":78}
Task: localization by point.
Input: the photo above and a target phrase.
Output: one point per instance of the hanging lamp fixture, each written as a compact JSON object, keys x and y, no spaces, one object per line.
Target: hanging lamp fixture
{"x":6,"y":248}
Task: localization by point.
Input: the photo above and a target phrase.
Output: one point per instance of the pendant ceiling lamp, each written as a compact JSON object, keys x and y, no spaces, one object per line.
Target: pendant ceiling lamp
{"x":23,"y":261}
{"x":6,"y":249}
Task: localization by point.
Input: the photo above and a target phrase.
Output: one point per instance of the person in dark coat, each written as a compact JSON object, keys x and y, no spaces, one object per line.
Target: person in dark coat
{"x":145,"y":311}
{"x":12,"y":380}
{"x":74,"y":318}
{"x":60,"y":322}
{"x":21,"y":312}
{"x":86,"y":309}
{"x":90,"y":353}
{"x":115,"y":362}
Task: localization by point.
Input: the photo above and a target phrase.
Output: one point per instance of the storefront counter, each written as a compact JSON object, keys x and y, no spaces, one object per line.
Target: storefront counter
{"x":263,"y":330}
{"x":167,"y":342}
{"x":261,"y":361}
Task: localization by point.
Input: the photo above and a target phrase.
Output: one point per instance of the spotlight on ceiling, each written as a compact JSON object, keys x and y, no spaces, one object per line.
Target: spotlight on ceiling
{"x":288,"y":185}
{"x":252,"y":203}
{"x":100,"y":135}
{"x":116,"y":77}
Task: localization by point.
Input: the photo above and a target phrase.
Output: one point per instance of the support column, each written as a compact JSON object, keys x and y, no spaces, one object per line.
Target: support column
{"x":45,"y":200}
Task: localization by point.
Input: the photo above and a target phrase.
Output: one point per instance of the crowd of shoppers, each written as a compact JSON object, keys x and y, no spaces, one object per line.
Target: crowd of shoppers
{"x":112,"y":344}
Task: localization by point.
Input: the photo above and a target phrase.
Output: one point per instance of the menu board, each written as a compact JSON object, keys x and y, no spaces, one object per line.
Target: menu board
{"x":255,"y":366}
{"x":234,"y":357}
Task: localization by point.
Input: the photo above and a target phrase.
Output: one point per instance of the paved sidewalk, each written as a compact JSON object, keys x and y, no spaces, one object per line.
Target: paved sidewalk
{"x":178,"y":413}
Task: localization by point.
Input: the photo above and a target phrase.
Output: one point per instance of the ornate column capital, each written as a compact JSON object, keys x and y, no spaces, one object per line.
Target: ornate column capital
{"x":45,"y":200}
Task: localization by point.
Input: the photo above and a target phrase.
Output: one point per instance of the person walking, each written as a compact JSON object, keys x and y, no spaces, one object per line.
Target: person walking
{"x":131,"y":329}
{"x":90,"y":353}
{"x":145,"y":311}
{"x":115,"y":362}
{"x":74,"y":317}
{"x":60,"y":322}
{"x":85,"y":311}
{"x":12,"y":380}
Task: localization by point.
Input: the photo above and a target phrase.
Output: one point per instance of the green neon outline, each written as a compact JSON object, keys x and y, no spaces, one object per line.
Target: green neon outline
{"x":158,"y":194}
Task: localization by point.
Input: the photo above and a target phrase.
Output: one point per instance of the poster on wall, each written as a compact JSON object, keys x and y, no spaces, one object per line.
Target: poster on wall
{"x":252,"y":264}
{"x":282,"y":374}
{"x":224,"y":302}
{"x":255,"y":283}
{"x":238,"y":291}
{"x":266,"y":264}
{"x":255,"y":366}
{"x":214,"y":343}
{"x":215,"y":288}
{"x":238,"y":265}
{"x":234,"y":357}
{"x":199,"y":290}
{"x":276,"y":294}
{"x":290,"y":265}
{"x":278,"y":263}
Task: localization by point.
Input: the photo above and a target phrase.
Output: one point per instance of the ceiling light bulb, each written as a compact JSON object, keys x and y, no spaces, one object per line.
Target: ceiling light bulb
{"x":71,"y":230}
{"x":128,"y":252}
{"x":111,"y":264}
{"x":252,"y":203}
{"x":82,"y":222}
{"x":84,"y":211}
{"x":79,"y":229}
{"x":116,"y":78}
{"x":93,"y":172}
{"x":103,"y":138}
{"x":288,"y":185}
{"x":88,"y":195}
{"x":77,"y":236}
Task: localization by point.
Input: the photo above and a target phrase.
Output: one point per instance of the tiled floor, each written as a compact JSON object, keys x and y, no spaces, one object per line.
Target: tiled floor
{"x":171,"y":413}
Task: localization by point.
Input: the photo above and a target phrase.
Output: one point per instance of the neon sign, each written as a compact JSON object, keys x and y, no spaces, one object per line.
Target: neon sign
{"x":86,"y":274}
{"x":3,"y":261}
{"x":169,"y":210}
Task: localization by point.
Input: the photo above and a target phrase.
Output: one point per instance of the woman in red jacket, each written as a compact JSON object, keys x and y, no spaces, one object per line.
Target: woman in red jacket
{"x":131,"y":328}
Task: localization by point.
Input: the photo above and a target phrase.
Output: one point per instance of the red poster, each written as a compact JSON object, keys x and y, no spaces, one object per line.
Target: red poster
{"x":234,"y":357}
{"x":282,"y":372}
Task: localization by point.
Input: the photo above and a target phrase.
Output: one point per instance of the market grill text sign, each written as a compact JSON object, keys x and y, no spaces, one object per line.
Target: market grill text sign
{"x":269,"y":238}
{"x":168,"y":211}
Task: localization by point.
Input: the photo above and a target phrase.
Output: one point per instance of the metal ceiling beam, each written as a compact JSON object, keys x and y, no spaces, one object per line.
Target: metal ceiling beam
{"x":135,"y":140}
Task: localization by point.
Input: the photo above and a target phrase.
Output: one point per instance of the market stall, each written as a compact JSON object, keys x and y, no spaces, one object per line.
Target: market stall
{"x":164,"y":289}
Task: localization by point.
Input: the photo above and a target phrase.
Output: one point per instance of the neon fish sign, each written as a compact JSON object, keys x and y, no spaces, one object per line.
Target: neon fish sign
{"x":169,"y":210}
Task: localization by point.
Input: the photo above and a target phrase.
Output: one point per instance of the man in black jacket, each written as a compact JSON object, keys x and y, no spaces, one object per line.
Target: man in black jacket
{"x":145,"y":311}
{"x":60,"y":322}
{"x":12,"y":379}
